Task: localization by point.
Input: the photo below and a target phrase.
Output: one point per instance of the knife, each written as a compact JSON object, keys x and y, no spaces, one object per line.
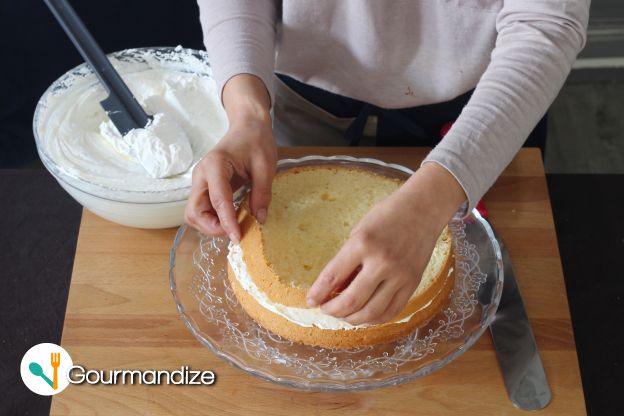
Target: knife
{"x":518,"y":356}
{"x":516,"y":349}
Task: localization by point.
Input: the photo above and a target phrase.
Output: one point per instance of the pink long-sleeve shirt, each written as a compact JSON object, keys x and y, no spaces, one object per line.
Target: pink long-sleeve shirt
{"x":402,"y":53}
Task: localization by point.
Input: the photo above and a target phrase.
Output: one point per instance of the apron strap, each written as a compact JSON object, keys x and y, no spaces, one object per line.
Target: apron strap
{"x":354,"y":133}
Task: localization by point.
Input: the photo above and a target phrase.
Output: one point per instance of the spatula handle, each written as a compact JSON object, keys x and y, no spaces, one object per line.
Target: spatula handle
{"x":92,"y":53}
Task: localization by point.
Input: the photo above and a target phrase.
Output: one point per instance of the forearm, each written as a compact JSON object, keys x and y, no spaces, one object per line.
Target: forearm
{"x":239,"y":36}
{"x":533,"y":55}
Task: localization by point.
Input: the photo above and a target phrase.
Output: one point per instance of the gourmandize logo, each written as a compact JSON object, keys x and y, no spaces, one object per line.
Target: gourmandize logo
{"x":55,"y":361}
{"x":44,"y":369}
{"x":47,"y":369}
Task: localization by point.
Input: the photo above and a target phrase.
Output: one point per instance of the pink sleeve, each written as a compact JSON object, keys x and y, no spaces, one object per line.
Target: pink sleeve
{"x":240,"y":38}
{"x":537,"y":42}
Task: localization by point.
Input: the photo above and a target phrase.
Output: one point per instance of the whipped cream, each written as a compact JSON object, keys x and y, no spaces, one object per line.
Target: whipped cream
{"x":306,"y":317}
{"x":86,"y":149}
{"x":161,"y":147}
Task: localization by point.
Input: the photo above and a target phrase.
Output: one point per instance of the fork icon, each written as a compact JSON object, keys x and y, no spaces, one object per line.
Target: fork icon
{"x":55,"y":361}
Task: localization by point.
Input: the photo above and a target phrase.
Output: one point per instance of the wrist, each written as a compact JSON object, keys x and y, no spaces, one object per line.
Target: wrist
{"x":434,"y":190}
{"x":247,"y":102}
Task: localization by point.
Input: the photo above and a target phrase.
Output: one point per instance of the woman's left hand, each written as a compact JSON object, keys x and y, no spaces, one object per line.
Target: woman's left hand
{"x":388,"y":250}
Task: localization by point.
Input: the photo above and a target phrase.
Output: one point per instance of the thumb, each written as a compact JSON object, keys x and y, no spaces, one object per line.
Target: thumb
{"x":262,"y":174}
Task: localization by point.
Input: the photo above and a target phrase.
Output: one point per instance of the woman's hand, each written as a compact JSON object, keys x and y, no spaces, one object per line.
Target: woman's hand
{"x":247,"y":152}
{"x":388,"y":250}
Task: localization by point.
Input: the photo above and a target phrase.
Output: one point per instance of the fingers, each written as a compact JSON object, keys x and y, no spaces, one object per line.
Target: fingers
{"x":396,"y":305}
{"x":355,"y":296}
{"x":262,"y":174}
{"x":335,"y":273}
{"x":219,"y":173}
{"x":198,"y":211}
{"x":381,"y":304}
{"x":210,"y":207}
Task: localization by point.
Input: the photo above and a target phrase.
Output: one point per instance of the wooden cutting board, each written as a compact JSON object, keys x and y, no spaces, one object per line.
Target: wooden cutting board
{"x":120,"y":315}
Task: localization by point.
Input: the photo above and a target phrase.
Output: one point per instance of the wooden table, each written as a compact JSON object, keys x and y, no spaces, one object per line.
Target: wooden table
{"x":120,"y":314}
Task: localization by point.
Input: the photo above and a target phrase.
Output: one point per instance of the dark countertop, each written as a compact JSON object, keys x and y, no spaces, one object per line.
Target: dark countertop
{"x":39,"y":225}
{"x":589,"y":221}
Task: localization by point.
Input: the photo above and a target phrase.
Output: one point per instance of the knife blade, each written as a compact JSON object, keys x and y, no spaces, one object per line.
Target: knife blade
{"x":516,"y":349}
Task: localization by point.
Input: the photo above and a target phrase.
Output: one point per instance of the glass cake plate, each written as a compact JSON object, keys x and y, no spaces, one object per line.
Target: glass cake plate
{"x":208,"y":307}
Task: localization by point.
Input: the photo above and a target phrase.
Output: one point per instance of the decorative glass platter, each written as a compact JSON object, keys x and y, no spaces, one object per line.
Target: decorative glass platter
{"x":208,"y":307}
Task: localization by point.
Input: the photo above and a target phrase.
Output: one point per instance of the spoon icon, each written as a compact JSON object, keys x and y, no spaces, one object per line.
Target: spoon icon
{"x":38,"y":371}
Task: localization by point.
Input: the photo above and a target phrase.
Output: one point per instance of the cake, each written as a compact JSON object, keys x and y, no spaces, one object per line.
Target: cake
{"x":311,"y":214}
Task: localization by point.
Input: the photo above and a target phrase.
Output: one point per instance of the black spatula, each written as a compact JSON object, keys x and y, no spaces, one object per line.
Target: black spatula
{"x":120,"y":105}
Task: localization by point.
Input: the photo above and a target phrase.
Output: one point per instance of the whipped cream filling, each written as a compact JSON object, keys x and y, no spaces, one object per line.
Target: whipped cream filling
{"x":306,"y":317}
{"x":86,"y":148}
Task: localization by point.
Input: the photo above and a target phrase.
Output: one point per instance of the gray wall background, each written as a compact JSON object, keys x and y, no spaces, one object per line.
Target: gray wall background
{"x":586,"y":121}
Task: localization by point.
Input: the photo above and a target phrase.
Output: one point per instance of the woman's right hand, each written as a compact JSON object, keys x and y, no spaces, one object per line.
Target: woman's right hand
{"x":247,"y":152}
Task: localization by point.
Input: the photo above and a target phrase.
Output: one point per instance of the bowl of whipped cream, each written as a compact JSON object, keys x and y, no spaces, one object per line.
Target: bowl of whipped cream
{"x":142,"y":179}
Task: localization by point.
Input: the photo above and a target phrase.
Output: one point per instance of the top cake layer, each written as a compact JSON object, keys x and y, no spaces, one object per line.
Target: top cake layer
{"x":311,"y":215}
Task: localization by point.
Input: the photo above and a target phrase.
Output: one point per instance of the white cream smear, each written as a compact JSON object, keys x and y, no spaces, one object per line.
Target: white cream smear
{"x":188,"y":121}
{"x":306,"y":317}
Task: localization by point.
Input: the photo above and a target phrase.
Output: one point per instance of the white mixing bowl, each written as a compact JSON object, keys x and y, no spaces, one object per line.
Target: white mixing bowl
{"x":151,"y":209}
